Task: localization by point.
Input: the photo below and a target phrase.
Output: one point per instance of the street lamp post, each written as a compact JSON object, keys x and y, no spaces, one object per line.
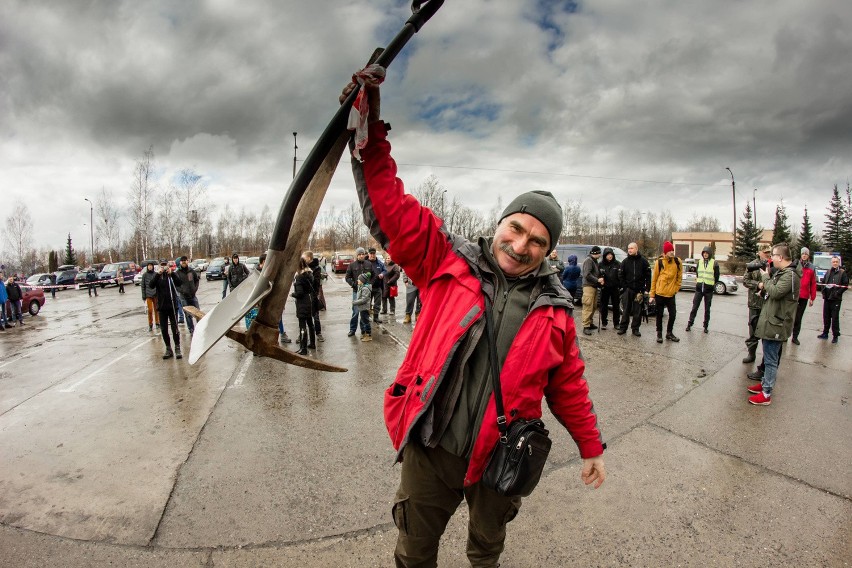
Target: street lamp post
{"x":442,"y":203}
{"x":754,"y":205}
{"x":91,"y":229}
{"x":734,"y":228}
{"x":294,"y":154}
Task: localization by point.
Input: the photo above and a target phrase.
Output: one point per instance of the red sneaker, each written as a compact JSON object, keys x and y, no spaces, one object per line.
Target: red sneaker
{"x":760,"y":400}
{"x":755,"y":388}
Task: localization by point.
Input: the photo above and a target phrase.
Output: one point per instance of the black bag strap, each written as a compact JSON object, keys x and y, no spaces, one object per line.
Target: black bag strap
{"x":495,"y":372}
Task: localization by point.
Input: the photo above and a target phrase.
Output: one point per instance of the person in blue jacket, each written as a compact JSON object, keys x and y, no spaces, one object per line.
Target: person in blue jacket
{"x":571,"y":277}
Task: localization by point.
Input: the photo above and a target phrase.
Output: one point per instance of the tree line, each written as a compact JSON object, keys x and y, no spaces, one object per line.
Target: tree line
{"x":157,"y":218}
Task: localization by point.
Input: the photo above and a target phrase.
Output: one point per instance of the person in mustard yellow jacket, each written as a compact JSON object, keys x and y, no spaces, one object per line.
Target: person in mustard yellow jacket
{"x":665,"y":282}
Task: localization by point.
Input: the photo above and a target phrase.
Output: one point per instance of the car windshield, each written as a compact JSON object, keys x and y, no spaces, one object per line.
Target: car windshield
{"x":34,"y":279}
{"x":822,"y":262}
{"x":217,"y":263}
{"x":110,"y":268}
{"x":344,"y":257}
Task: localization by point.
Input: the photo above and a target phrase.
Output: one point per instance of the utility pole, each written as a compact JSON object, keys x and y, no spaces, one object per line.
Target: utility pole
{"x":754,"y":205}
{"x":734,"y":194}
{"x":91,"y":229}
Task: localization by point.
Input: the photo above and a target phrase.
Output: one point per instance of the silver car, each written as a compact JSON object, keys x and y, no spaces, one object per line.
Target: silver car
{"x":726,"y":284}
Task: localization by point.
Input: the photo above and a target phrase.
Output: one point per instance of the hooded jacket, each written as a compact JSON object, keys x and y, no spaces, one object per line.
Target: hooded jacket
{"x":571,"y":274}
{"x":188,"y":281}
{"x":148,"y":291}
{"x":610,"y":269}
{"x":779,"y":308}
{"x":666,"y":278}
{"x":303,"y":292}
{"x":237,"y":272}
{"x":591,"y":272}
{"x":13,"y":292}
{"x":543,"y":360}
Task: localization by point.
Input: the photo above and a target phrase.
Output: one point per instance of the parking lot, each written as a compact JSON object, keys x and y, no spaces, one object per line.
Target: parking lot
{"x":113,"y":457}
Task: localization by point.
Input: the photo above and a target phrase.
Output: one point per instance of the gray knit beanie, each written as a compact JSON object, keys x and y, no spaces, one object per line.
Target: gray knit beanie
{"x":805,"y":250}
{"x":541,"y":205}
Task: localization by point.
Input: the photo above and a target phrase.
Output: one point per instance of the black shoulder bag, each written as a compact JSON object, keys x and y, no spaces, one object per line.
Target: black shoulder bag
{"x":518,"y":459}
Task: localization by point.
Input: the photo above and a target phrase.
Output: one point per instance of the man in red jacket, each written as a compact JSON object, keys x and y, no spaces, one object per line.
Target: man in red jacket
{"x":439,"y":411}
{"x":807,"y":292}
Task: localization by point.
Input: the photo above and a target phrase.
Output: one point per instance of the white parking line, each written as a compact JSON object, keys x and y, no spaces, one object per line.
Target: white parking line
{"x":241,"y":375}
{"x":116,"y":360}
{"x":24,"y":356}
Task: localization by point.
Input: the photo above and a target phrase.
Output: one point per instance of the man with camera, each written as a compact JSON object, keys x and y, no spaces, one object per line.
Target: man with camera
{"x":751,"y":280}
{"x":439,"y":411}
{"x":187,"y":289}
{"x":775,"y":324}
{"x":166,"y":283}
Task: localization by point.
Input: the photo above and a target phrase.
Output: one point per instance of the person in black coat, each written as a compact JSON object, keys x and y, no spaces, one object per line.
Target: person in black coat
{"x":391,"y":278}
{"x":636,"y":280}
{"x":611,"y":289}
{"x":303,"y":292}
{"x":187,"y":289}
{"x":15,"y":295}
{"x":319,"y":297}
{"x":166,"y":283}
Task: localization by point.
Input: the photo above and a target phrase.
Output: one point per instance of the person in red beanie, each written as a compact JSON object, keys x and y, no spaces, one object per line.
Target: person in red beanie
{"x":665,"y":282}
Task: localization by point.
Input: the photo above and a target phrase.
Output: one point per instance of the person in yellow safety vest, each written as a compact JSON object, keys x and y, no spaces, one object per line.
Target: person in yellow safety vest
{"x":705,"y":284}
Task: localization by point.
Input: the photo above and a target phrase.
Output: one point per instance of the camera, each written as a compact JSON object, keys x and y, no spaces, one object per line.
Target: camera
{"x":759,"y":264}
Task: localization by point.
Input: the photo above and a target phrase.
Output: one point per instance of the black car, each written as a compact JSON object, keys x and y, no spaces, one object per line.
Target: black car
{"x":65,"y":275}
{"x":216,"y":269}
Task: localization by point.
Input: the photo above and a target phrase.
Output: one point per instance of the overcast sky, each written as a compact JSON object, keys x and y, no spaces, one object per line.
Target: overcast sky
{"x":619,"y":104}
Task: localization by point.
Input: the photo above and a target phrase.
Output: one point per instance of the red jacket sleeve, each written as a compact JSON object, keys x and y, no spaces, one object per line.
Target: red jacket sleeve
{"x":414,"y":233}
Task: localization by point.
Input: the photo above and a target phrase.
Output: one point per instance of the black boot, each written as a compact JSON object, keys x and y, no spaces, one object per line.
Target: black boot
{"x":178,"y":354}
{"x":689,"y":326}
{"x":168,"y":354}
{"x":671,"y":337}
{"x":751,"y":355}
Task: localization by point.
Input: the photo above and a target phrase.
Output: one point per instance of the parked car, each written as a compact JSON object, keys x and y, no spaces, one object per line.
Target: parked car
{"x":726,"y":284}
{"x":252,"y":262}
{"x":40,"y":279}
{"x":111,"y":271}
{"x":199,"y":264}
{"x":341,"y":262}
{"x":65,"y":275}
{"x":216,"y":269}
{"x":32,"y":301}
{"x":137,"y":280}
{"x":582,"y":252}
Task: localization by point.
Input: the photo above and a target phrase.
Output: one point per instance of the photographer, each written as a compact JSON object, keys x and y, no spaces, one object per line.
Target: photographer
{"x":751,"y":280}
{"x":166,"y":283}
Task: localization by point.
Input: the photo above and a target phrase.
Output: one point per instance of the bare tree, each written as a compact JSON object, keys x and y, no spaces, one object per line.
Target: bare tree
{"x":168,"y":226}
{"x":430,"y":193}
{"x":263,"y":230}
{"x":351,"y":226}
{"x":191,"y":197}
{"x":702,"y":224}
{"x":19,"y":237}
{"x":141,"y":196}
{"x":107,"y":223}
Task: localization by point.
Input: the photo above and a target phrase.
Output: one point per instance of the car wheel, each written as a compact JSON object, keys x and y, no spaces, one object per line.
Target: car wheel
{"x":721,"y":288}
{"x":34,"y":307}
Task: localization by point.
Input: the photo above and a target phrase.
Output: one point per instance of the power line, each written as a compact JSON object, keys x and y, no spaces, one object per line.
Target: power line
{"x":563,"y":175}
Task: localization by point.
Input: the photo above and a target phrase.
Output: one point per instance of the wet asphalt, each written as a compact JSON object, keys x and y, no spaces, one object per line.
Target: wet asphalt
{"x":111,"y":456}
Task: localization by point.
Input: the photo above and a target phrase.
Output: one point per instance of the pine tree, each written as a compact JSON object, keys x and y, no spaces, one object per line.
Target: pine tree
{"x":70,"y":255}
{"x":807,"y":239}
{"x":781,"y":231}
{"x":748,"y":236}
{"x":835,"y":221}
{"x":846,"y":229}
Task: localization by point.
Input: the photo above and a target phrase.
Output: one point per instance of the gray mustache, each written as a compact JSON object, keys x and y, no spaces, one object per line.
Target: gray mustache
{"x":522,"y":258}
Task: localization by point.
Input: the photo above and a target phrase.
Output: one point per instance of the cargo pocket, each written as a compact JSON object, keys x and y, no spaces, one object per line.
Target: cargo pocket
{"x":514,"y":507}
{"x":775,"y":327}
{"x":400,"y":515}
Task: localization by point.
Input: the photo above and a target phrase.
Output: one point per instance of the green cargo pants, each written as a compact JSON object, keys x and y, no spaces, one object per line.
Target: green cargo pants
{"x":430,"y":490}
